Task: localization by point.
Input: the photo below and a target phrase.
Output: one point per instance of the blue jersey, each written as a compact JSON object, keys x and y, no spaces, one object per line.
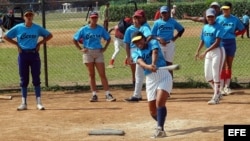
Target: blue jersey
{"x":210,"y":33}
{"x":145,"y":29}
{"x":146,"y":55}
{"x":165,"y":29}
{"x":91,"y":37}
{"x":27,"y":37}
{"x":230,"y":24}
{"x":245,"y":19}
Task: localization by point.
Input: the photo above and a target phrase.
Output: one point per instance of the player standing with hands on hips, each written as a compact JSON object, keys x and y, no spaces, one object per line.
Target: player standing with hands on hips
{"x":93,"y":53}
{"x":158,"y":82}
{"x":214,"y":55}
{"x":233,"y":27}
{"x":163,"y":31}
{"x":27,"y":35}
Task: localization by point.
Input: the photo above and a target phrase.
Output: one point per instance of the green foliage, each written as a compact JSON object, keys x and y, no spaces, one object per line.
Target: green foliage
{"x":195,"y":8}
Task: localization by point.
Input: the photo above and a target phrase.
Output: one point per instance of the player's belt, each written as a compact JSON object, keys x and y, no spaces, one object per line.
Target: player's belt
{"x":29,"y":50}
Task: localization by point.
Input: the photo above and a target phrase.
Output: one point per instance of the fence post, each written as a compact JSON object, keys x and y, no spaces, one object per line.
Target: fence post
{"x":45,"y":47}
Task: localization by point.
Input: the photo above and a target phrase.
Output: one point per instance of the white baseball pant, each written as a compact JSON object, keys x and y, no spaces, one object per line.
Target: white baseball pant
{"x":118,"y":43}
{"x":139,"y":78}
{"x":168,"y":51}
{"x":214,"y":61}
{"x":161,"y":79}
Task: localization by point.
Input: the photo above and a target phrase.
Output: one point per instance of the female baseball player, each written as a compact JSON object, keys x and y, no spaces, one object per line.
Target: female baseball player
{"x":93,"y":53}
{"x":27,"y":35}
{"x":214,"y":54}
{"x":158,"y":82}
{"x":163,"y":31}
{"x":118,"y":42}
{"x":233,"y":27}
{"x":140,"y":24}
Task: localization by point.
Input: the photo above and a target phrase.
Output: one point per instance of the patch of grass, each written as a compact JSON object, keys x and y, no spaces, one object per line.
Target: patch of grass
{"x":65,"y":67}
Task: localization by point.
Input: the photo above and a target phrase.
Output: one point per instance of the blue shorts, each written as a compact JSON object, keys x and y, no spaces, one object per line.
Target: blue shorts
{"x":229,"y":46}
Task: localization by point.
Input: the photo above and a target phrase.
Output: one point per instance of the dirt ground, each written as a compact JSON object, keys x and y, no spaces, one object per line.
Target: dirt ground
{"x":69,"y":116}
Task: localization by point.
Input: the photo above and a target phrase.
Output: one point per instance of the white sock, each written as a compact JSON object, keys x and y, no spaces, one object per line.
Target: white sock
{"x":94,"y":93}
{"x":38,"y":100}
{"x":107,"y":92}
{"x":216,"y":88}
{"x":221,"y":84}
{"x":24,"y":100}
{"x":227,"y":83}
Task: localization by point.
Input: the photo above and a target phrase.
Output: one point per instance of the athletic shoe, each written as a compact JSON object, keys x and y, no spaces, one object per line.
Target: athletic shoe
{"x":94,"y":98}
{"x":40,"y":107}
{"x":228,"y":91}
{"x":110,"y":98}
{"x":110,"y":66}
{"x":22,"y":107}
{"x":159,"y":133}
{"x":132,"y":99}
{"x":213,"y":101}
{"x":222,"y":92}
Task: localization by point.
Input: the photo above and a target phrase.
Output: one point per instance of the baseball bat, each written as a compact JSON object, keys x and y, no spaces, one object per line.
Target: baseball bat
{"x":170,"y":67}
{"x":5,"y":97}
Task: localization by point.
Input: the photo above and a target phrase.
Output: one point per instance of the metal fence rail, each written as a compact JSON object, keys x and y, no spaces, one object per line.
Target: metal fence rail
{"x":65,"y":67}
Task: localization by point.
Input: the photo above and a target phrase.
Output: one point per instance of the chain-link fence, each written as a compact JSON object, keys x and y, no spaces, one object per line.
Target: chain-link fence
{"x":62,"y":62}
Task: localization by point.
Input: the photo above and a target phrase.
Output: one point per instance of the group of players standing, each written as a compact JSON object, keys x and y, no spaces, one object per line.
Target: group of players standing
{"x":147,"y":50}
{"x":219,"y":38}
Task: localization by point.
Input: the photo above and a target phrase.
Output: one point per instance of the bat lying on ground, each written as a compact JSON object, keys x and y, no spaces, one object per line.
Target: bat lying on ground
{"x":170,"y":67}
{"x":5,"y":97}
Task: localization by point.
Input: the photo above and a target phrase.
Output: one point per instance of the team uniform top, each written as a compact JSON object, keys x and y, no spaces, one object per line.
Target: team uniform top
{"x":91,"y":37}
{"x":230,"y":24}
{"x":146,"y":55}
{"x":165,"y":29}
{"x":145,"y":29}
{"x":24,"y":34}
{"x":210,"y":33}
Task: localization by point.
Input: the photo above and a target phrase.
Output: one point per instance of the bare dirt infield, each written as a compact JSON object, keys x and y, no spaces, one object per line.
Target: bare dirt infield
{"x":69,"y":116}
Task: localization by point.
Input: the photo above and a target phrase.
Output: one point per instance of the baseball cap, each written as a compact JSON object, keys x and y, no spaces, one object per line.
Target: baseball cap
{"x":210,"y":12}
{"x":164,"y":9}
{"x":174,"y":5}
{"x":93,"y":14}
{"x":28,"y":11}
{"x":214,"y":4}
{"x":137,"y":36}
{"x":139,"y":13}
{"x":226,"y":5}
{"x":128,"y":20}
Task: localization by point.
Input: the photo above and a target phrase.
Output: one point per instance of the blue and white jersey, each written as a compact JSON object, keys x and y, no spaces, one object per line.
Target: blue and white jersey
{"x":230,"y":24}
{"x":145,"y":29}
{"x":209,"y":33}
{"x":27,"y":37}
{"x":245,"y":19}
{"x":146,"y":55}
{"x":91,"y":36}
{"x":165,"y":29}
